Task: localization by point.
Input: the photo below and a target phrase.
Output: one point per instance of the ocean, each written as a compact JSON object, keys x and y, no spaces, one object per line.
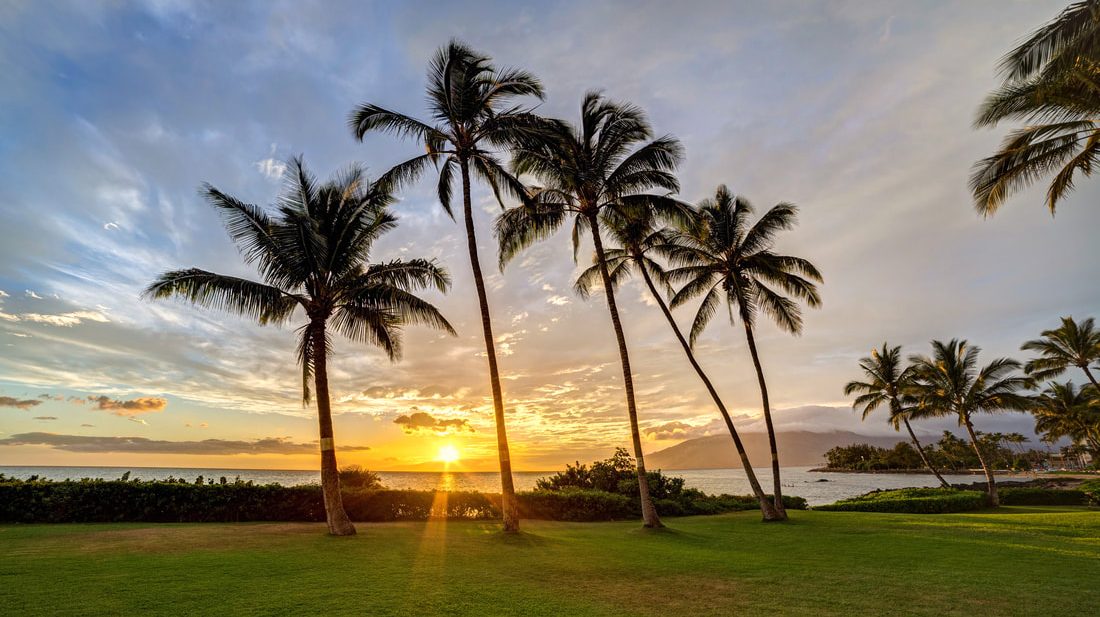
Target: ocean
{"x":816,"y":487}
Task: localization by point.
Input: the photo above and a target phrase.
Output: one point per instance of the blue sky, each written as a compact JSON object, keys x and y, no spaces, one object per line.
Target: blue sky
{"x":859,"y":112}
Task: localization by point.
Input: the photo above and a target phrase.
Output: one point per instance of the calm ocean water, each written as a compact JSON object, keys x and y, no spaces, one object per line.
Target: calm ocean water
{"x":796,"y":480}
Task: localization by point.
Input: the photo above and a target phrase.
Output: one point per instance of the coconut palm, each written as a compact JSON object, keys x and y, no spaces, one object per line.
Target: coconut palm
{"x":592,"y":173}
{"x":1050,"y":84}
{"x":636,"y":242}
{"x":726,"y":257}
{"x":1070,"y":345}
{"x":471,"y":106}
{"x":950,"y":382}
{"x":313,"y":254}
{"x":889,"y":384}
{"x":1064,"y":411}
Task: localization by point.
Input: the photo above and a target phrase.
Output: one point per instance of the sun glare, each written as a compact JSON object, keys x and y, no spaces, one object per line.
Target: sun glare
{"x":448,"y":454}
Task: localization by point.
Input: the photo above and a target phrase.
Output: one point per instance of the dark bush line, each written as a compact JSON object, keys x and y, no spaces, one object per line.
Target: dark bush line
{"x":943,"y":501}
{"x":89,"y":501}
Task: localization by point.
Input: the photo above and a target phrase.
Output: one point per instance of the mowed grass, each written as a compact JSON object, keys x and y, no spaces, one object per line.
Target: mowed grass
{"x":1016,"y":561}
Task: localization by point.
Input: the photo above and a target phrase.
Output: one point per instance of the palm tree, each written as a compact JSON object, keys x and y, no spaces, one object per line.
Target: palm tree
{"x":1072,"y":344}
{"x":951,"y":383}
{"x":723,"y":256}
{"x":1050,"y":84}
{"x":1064,"y":411}
{"x":313,"y":253}
{"x":471,"y":104}
{"x":594,"y":172}
{"x":889,"y":384}
{"x":637,"y":239}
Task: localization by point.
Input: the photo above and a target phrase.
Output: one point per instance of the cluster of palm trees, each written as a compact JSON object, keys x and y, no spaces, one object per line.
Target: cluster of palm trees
{"x":607,"y":174}
{"x":952,"y":383}
{"x":1051,"y":83}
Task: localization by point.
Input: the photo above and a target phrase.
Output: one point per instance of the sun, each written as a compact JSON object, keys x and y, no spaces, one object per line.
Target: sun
{"x":448,"y":454}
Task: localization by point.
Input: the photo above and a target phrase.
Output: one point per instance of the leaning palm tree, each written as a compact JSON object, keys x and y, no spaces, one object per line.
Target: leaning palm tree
{"x":1071,"y":345}
{"x":312,"y":254}
{"x":592,"y":173}
{"x":1051,"y":85}
{"x":471,"y":106}
{"x":889,"y":384}
{"x":724,"y":256}
{"x":1063,"y":411}
{"x":950,"y":382}
{"x":637,"y":242}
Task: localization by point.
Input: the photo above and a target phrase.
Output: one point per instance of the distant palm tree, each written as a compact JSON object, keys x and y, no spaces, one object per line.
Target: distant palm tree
{"x":1064,"y":411}
{"x":951,"y":383}
{"x":637,"y":240}
{"x":1051,"y":84}
{"x":1070,"y":345}
{"x":725,"y":257}
{"x":594,"y":172}
{"x":471,"y":105}
{"x":891,"y":385}
{"x":313,"y":254}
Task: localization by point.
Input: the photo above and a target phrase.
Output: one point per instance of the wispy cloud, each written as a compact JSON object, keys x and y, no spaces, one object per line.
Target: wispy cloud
{"x":85,"y":443}
{"x":27,"y":403}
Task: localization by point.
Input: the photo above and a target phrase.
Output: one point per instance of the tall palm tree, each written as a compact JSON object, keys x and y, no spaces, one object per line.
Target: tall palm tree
{"x":1064,"y":411}
{"x":950,"y":382}
{"x":888,"y":383}
{"x":471,"y":106}
{"x":1070,"y":345}
{"x":313,"y":253}
{"x":1051,"y":85}
{"x":591,"y":172}
{"x":726,"y":257}
{"x":637,"y":240}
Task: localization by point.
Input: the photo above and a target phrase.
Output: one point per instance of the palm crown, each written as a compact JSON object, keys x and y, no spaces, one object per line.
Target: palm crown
{"x":1050,"y":85}
{"x":888,"y":383}
{"x":723,"y":256}
{"x":313,"y":255}
{"x":951,"y":382}
{"x":470,"y":103}
{"x":597,"y":171}
{"x":1062,"y":410}
{"x":1070,"y":345}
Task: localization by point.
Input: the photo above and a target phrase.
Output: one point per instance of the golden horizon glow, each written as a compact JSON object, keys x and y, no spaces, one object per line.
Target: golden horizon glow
{"x":448,"y":454}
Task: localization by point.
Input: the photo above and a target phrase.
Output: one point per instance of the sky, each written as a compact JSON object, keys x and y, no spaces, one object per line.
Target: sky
{"x":113,"y":113}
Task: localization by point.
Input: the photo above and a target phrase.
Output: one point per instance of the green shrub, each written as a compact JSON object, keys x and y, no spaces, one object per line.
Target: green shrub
{"x":912,"y":501}
{"x":577,"y":505}
{"x":1030,"y":496}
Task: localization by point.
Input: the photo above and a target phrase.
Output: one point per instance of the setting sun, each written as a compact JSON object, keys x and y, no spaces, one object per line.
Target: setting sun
{"x":448,"y":454}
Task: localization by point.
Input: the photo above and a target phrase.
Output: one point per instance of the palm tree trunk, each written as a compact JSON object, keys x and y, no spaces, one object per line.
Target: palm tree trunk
{"x":509,"y":510}
{"x":649,"y":512}
{"x":338,"y":522}
{"x":923,"y":458}
{"x":994,"y":501}
{"x":777,"y":485}
{"x":1089,"y":374}
{"x":766,"y":507}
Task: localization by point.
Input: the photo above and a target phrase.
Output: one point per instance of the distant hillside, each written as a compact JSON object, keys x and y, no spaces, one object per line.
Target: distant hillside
{"x":796,"y":448}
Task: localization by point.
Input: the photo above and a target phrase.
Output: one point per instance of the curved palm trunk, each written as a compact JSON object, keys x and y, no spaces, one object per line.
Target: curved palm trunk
{"x":1089,"y":374}
{"x":766,"y":507}
{"x":993,"y":499}
{"x":338,"y":522}
{"x":508,"y":509}
{"x":923,"y":458}
{"x":649,"y":512}
{"x":777,"y":484}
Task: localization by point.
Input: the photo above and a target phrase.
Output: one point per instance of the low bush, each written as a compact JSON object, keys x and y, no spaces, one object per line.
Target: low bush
{"x":912,"y":501}
{"x":103,"y":501}
{"x":1091,"y":489}
{"x":1033,"y":496}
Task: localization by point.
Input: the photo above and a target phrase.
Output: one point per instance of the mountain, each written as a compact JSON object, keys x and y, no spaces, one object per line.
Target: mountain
{"x":796,"y":449}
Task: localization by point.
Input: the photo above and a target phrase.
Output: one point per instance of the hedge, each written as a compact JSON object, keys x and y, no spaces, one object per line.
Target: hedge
{"x":1029,"y":496}
{"x":88,"y":501}
{"x":912,"y":501}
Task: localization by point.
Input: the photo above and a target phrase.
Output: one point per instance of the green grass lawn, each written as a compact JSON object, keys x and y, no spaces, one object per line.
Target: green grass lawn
{"x":1017,"y":561}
